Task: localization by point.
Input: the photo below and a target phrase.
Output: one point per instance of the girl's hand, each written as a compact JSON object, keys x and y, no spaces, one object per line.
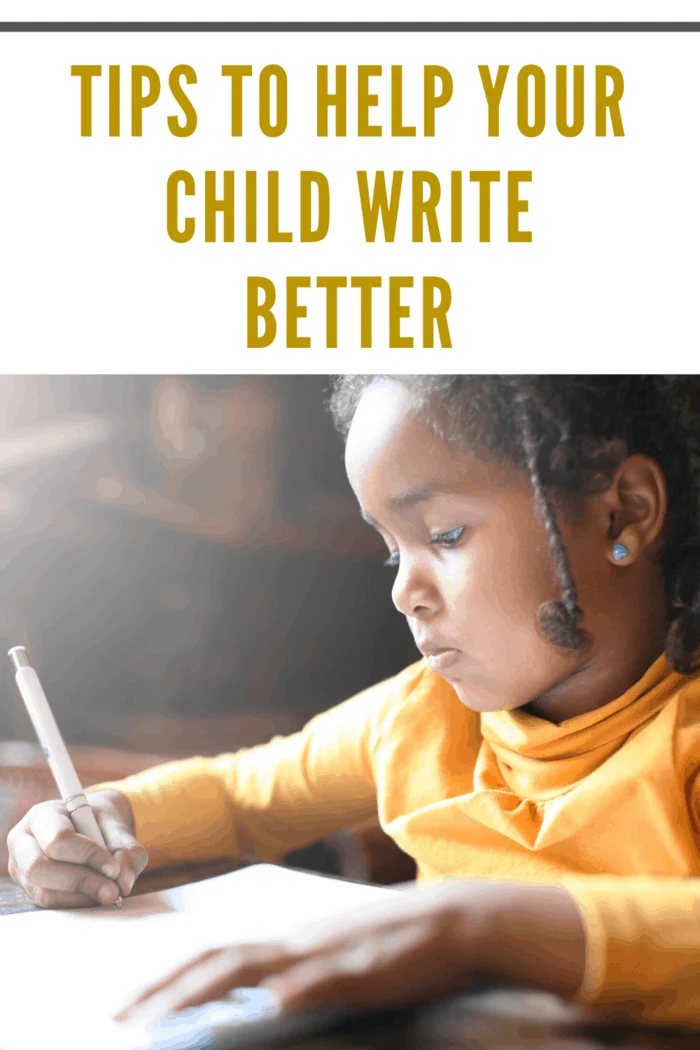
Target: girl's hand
{"x":419,"y":945}
{"x":59,"y":868}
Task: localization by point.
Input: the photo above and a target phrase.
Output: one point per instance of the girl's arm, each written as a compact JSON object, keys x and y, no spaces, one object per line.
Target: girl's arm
{"x":642,"y":946}
{"x":630,"y":944}
{"x":420,"y":945}
{"x":267,"y":800}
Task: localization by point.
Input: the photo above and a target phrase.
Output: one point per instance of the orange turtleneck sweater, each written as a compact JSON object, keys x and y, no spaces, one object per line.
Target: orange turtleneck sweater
{"x":605,"y":803}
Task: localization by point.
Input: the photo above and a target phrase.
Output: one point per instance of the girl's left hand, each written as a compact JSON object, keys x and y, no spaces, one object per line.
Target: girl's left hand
{"x":419,"y":945}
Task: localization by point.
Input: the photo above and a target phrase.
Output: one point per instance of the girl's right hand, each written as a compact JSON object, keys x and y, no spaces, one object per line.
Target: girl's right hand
{"x":58,"y":868}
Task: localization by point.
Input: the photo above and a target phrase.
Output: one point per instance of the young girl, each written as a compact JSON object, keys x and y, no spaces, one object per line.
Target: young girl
{"x":545,"y":534}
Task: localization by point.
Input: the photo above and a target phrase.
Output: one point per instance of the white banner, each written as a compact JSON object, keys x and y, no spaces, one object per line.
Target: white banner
{"x":516,"y":201}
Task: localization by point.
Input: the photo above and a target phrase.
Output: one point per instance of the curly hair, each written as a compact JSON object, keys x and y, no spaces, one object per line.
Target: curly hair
{"x":569,"y":434}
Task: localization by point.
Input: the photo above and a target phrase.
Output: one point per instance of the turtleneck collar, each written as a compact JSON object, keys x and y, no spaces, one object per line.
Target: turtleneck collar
{"x":526,"y":735}
{"x":538,"y":759}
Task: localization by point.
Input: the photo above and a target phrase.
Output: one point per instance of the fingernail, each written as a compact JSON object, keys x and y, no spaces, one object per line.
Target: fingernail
{"x":111,"y":869}
{"x":107,"y":894}
{"x":128,"y":880}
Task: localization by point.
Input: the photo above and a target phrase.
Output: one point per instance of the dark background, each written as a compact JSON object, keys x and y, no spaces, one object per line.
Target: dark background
{"x":184,"y":559}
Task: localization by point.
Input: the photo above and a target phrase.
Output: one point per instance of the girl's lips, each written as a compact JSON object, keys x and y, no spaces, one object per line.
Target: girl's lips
{"x":441,"y":660}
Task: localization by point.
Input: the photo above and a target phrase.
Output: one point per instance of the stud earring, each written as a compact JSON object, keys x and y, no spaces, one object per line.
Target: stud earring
{"x":619,"y":551}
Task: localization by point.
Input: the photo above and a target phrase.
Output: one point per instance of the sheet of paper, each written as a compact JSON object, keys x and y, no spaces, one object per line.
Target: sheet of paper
{"x":63,"y":974}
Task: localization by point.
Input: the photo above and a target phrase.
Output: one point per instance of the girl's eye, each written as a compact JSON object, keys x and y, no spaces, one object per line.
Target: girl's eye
{"x":448,"y":539}
{"x":393,"y":560}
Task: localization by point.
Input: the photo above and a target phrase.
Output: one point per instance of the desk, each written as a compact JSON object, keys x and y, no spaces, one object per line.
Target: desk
{"x":506,"y":1020}
{"x":503,"y":1019}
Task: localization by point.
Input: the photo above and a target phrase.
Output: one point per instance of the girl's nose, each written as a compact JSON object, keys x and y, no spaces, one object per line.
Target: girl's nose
{"x":413,"y":593}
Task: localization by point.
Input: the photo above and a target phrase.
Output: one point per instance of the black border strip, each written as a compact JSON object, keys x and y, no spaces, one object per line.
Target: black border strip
{"x":349,"y":27}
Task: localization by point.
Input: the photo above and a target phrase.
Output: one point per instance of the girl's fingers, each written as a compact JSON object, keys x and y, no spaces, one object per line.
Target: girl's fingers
{"x":46,"y":855}
{"x":407,"y":953}
{"x":58,"y":840}
{"x":132,"y":859}
{"x":348,"y":976}
{"x":389,"y":968}
{"x":57,"y":899}
{"x":131,"y":856}
{"x":203,"y":982}
{"x":207,"y":977}
{"x":42,"y":878}
{"x":170,"y":978}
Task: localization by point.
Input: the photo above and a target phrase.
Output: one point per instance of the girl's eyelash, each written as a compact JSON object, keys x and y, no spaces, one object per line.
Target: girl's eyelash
{"x":448,"y":539}
{"x":443,"y":539}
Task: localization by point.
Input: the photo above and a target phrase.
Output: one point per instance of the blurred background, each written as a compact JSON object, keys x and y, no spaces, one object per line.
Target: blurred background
{"x":185,"y":562}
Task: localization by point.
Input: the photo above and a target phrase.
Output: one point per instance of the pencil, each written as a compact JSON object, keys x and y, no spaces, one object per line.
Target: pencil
{"x":54,"y":748}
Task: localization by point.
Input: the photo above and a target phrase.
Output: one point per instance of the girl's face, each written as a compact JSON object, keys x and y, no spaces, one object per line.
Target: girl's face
{"x":473,"y":566}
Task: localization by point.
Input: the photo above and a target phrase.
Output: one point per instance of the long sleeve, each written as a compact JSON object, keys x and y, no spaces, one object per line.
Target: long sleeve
{"x":643,"y":946}
{"x":643,"y":938}
{"x":266,"y":800}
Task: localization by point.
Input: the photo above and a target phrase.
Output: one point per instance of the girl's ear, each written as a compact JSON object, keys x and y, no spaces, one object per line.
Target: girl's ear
{"x":637,"y":503}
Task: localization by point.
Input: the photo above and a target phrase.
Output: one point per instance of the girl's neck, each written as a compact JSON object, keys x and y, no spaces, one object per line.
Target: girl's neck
{"x":594,"y":684}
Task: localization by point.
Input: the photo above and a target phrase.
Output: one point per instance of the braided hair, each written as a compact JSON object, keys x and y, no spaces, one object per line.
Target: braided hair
{"x":569,"y":434}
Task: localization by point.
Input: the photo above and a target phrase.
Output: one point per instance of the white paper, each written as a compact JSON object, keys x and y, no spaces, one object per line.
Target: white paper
{"x":63,"y":974}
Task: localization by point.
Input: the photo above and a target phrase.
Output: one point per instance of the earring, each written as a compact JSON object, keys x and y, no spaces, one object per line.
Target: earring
{"x":619,"y":551}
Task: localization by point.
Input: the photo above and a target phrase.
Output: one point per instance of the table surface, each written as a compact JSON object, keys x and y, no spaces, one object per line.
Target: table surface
{"x":500,"y":1019}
